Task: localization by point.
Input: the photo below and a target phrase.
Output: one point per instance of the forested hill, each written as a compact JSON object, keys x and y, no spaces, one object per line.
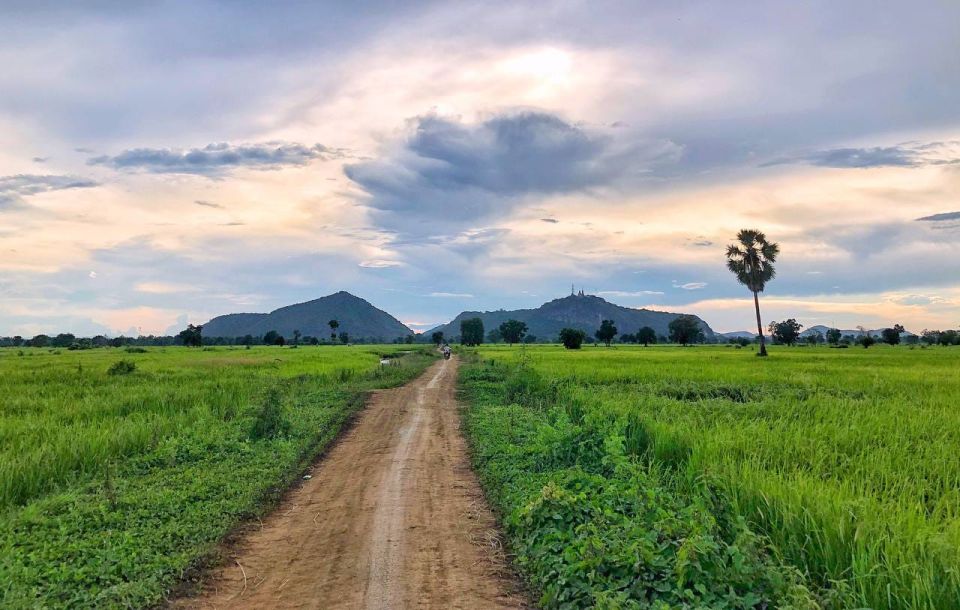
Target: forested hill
{"x":575,"y":311}
{"x":357,"y":317}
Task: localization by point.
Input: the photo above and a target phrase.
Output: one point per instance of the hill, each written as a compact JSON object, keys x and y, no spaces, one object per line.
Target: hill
{"x":575,"y":311}
{"x":357,"y":317}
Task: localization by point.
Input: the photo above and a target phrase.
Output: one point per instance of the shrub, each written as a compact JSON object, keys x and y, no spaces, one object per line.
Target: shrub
{"x":136,"y":350}
{"x":122,"y":367}
{"x":572,"y":338}
{"x":269,"y":420}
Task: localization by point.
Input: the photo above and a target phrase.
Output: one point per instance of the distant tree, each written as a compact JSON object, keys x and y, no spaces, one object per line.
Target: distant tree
{"x":628,"y":338}
{"x":40,"y":340}
{"x":246,"y":340}
{"x":344,"y":337}
{"x":572,"y":338}
{"x":334,"y":325}
{"x":685,"y":329}
{"x":741,"y":341}
{"x":191,"y":336}
{"x":911,"y":339}
{"x":891,"y":336}
{"x":814,"y":338}
{"x":513,"y":331}
{"x":646,"y":335}
{"x":949,"y":337}
{"x":296,"y":337}
{"x":437,"y":337}
{"x":530,"y":339}
{"x":271,"y":338}
{"x":606,"y":332}
{"x":751,"y":259}
{"x":833,"y":336}
{"x":930,"y":337}
{"x":786,"y":332}
{"x":409,"y":339}
{"x":866,"y":341}
{"x":494,"y":336}
{"x":63,"y":340}
{"x":471,"y":331}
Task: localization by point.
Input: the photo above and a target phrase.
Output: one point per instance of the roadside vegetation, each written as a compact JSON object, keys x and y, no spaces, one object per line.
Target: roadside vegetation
{"x":662,"y":477}
{"x":120,"y":470}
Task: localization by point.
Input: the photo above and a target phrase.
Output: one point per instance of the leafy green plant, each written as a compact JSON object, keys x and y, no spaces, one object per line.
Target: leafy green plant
{"x":122,"y":367}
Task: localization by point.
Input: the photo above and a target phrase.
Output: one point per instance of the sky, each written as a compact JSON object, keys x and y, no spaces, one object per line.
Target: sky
{"x":166,"y":162}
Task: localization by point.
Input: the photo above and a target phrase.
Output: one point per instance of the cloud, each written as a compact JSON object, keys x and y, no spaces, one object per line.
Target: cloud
{"x":690,"y":285}
{"x":550,"y":220}
{"x":14,"y":188}
{"x":450,"y":295}
{"x":219,"y":158}
{"x":449,"y":173}
{"x":943,"y":216}
{"x":916,"y":299}
{"x":910,"y":154}
{"x":207,"y":204}
{"x":624,"y":293}
{"x":379,"y":264}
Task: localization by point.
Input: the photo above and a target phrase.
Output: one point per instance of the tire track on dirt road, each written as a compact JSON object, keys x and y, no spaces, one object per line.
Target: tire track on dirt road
{"x":393,"y":517}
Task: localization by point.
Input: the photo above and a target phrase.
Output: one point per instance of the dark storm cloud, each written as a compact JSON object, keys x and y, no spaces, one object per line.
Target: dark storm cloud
{"x":901,"y":155}
{"x":458,"y":172}
{"x":14,"y":188}
{"x":217,"y":159}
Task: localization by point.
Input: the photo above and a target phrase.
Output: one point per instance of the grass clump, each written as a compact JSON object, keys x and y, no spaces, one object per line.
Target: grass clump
{"x":122,"y":367}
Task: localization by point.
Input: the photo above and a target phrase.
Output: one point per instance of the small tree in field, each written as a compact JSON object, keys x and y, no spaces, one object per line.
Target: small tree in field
{"x":606,"y":332}
{"x":192,"y":335}
{"x":786,"y":332}
{"x":296,"y":337}
{"x":471,"y":331}
{"x":833,"y":336}
{"x":271,"y":337}
{"x":685,"y":330}
{"x":513,"y":331}
{"x":572,"y":338}
{"x":751,"y":260}
{"x":646,"y":335}
{"x":866,"y":341}
{"x":891,"y":336}
{"x":344,"y":337}
{"x":334,"y":325}
{"x":437,"y":337}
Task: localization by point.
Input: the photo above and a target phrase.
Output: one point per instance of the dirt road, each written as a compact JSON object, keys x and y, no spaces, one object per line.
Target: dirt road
{"x":392,"y":518}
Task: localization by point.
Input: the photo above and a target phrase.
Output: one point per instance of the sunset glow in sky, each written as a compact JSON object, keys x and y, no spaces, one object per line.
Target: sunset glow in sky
{"x":169,"y":162}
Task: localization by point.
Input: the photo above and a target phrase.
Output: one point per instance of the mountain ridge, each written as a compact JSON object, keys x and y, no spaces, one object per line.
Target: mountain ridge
{"x":361,"y":320}
{"x":581,"y":311}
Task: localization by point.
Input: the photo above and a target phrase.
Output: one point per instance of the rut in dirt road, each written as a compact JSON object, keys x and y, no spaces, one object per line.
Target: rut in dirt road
{"x":393,"y":517}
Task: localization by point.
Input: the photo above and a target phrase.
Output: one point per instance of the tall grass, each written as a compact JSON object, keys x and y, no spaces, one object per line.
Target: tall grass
{"x":846,"y":460}
{"x":111,"y":485}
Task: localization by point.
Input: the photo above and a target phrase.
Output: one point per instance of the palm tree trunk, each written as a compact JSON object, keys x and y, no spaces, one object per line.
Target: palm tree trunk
{"x":763,"y":343}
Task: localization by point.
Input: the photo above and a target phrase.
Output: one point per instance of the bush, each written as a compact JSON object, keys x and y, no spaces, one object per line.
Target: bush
{"x":269,"y":420}
{"x":122,"y":367}
{"x":572,"y":338}
{"x":136,"y":350}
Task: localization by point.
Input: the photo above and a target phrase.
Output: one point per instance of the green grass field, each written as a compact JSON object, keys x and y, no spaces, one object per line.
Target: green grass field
{"x":112,"y":485}
{"x":832,"y":475}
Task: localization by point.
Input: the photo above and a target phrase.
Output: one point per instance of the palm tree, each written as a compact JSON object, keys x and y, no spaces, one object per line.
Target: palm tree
{"x":334,"y":325}
{"x":751,"y":260}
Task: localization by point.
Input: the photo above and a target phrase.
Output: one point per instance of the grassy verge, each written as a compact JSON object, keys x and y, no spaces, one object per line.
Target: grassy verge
{"x":592,"y":525}
{"x":119,"y":529}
